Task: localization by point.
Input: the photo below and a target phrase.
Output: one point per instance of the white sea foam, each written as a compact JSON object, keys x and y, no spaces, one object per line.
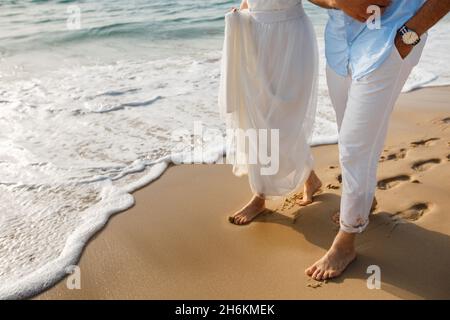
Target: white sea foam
{"x":434,"y":68}
{"x":76,"y":140}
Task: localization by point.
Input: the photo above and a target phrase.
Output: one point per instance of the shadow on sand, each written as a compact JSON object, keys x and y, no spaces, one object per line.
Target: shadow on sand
{"x":405,"y":252}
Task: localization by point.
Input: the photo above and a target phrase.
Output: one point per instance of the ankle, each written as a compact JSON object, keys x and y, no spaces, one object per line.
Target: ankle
{"x":345,"y":241}
{"x":258,"y":201}
{"x":313,"y":179}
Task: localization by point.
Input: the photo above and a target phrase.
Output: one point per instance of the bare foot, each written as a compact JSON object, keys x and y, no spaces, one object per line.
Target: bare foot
{"x":312,"y":186}
{"x":336,"y":260}
{"x":247,"y":214}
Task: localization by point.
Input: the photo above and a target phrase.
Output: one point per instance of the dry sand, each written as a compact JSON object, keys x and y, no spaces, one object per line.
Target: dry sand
{"x":176,"y":242}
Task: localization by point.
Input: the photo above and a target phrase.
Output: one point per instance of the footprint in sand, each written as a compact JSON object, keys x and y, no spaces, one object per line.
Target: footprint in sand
{"x":424,"y":143}
{"x":448,"y":157}
{"x":401,"y":154}
{"x":390,"y":183}
{"x":314,"y":284}
{"x":414,"y":213}
{"x":332,"y":186}
{"x":446,"y":120}
{"x":292,"y":201}
{"x":423,"y":165}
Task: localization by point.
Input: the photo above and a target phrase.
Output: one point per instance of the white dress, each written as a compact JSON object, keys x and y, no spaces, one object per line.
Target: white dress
{"x":269,"y":81}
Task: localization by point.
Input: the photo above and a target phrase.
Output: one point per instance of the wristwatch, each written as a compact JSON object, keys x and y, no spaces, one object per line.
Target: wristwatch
{"x":409,"y":37}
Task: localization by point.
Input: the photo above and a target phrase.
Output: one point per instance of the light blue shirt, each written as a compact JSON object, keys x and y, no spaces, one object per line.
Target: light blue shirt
{"x":351,"y":46}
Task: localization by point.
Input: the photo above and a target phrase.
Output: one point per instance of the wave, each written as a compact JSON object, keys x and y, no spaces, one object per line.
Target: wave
{"x":29,"y":25}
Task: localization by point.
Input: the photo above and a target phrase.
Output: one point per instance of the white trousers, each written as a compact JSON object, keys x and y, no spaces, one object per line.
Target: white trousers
{"x":363,"y":108}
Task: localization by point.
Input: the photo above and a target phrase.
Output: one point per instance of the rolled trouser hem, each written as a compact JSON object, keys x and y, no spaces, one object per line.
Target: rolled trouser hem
{"x":358,"y":229}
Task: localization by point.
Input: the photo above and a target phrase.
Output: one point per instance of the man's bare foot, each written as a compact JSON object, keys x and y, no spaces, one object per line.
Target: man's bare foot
{"x":337,"y":216}
{"x":247,"y":214}
{"x":336,"y":260}
{"x":312,"y":186}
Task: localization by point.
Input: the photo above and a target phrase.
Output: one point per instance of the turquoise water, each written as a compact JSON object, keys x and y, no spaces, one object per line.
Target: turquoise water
{"x":39,"y":25}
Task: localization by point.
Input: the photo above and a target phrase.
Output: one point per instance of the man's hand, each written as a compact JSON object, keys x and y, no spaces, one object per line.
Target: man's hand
{"x":357,"y":9}
{"x":429,"y":14}
{"x":403,"y":49}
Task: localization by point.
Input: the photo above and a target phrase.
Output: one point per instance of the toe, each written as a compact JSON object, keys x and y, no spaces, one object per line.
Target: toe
{"x":316,"y":273}
{"x":333,"y":274}
{"x":326,"y":275}
{"x":319,"y":275}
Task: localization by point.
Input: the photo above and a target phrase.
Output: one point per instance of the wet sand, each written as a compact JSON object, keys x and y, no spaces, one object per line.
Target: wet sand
{"x":176,"y":242}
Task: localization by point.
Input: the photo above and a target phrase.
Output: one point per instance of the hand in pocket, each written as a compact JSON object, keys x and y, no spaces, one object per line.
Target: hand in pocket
{"x":403,"y":49}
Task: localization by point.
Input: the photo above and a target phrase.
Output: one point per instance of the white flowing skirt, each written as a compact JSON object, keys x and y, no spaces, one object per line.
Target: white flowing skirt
{"x":269,"y":82}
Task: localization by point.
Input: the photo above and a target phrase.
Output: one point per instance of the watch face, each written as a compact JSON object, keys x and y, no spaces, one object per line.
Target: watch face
{"x":410,"y":37}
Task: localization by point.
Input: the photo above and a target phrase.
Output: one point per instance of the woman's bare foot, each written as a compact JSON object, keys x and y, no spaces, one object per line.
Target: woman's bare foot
{"x":247,"y":214}
{"x":336,"y":260}
{"x":312,"y":186}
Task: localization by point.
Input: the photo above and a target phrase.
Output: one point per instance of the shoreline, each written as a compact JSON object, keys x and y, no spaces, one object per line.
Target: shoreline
{"x":176,"y":243}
